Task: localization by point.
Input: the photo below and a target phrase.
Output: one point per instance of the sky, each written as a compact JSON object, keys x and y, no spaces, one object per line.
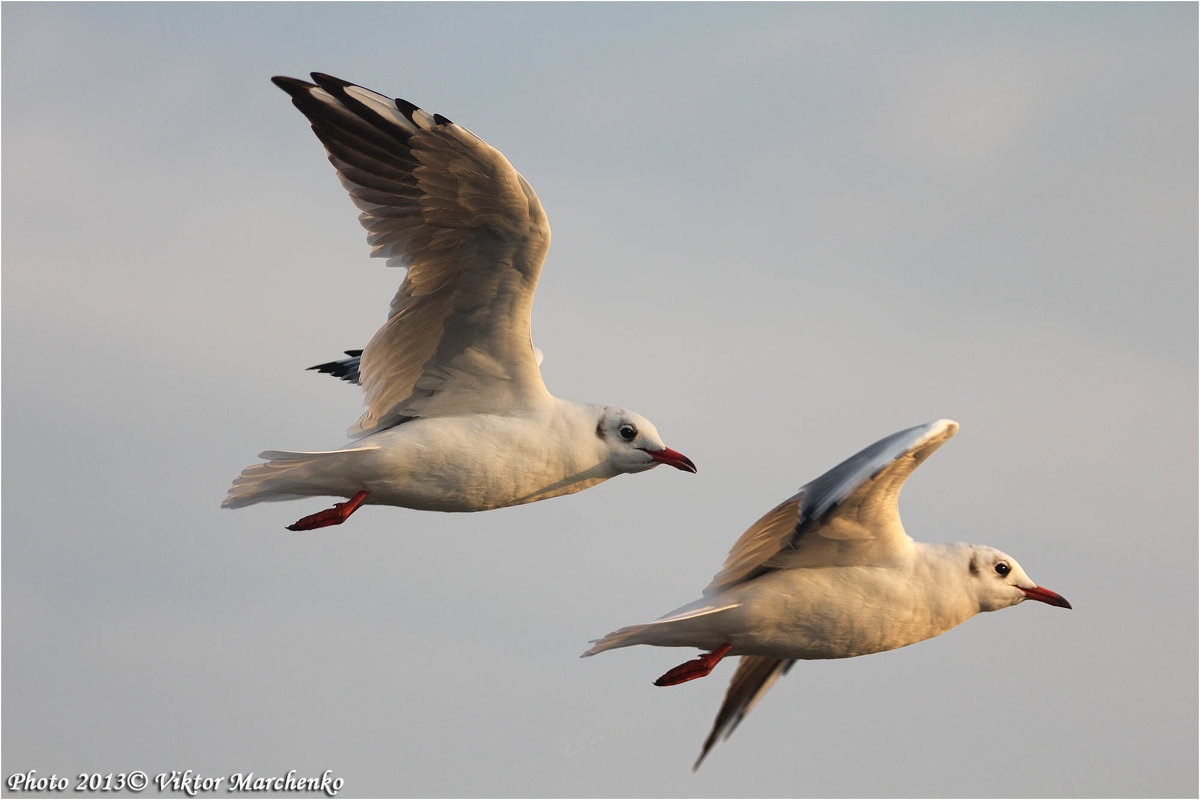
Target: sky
{"x":781,"y":232}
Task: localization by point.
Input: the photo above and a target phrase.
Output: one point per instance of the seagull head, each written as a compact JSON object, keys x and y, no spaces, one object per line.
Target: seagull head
{"x":1000,"y":582}
{"x":634,"y":444}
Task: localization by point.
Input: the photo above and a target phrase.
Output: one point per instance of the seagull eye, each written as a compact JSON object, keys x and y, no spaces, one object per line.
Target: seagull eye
{"x":628,"y":432}
{"x":1002,"y":568}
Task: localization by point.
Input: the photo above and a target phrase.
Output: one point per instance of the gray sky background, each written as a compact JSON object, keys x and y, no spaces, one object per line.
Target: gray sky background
{"x":780,"y":231}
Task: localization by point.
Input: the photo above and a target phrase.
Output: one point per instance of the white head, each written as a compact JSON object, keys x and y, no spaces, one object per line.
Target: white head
{"x":633,"y":442}
{"x":1000,"y":582}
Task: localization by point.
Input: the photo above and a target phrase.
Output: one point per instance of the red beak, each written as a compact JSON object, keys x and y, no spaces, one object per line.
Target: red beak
{"x":1046,"y":596}
{"x":669,"y":456}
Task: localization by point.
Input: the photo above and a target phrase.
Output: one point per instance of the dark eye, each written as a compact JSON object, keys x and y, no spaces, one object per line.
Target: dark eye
{"x":628,"y":432}
{"x":1002,"y":568}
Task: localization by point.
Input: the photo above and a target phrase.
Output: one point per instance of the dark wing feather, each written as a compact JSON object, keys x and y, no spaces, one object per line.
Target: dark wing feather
{"x":753,"y":677}
{"x":346,"y":369}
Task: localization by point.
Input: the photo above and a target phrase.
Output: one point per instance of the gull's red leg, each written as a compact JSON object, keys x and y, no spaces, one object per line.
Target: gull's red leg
{"x":330,"y":516}
{"x":696,"y":668}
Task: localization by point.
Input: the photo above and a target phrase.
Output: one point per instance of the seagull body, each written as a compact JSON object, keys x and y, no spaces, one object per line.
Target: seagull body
{"x":474,"y":462}
{"x":836,"y":612}
{"x":830,"y":573}
{"x":458,"y":418}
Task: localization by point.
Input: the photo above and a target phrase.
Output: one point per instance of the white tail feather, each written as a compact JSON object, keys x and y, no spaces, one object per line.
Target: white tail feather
{"x":288,"y":475}
{"x":691,"y":626}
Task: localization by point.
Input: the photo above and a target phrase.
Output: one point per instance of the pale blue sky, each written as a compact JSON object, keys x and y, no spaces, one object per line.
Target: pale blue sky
{"x":780,"y":231}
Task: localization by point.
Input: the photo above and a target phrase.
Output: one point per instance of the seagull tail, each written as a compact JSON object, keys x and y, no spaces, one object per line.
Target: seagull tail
{"x":698,"y":624}
{"x":287,"y":476}
{"x":631,"y":635}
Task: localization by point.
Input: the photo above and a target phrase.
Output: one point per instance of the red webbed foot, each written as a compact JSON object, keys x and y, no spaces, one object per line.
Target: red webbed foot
{"x":330,"y":516}
{"x":696,"y":668}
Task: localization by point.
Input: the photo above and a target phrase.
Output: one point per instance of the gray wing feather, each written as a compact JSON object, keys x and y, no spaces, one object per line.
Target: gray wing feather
{"x":438,"y":200}
{"x":898,"y":454}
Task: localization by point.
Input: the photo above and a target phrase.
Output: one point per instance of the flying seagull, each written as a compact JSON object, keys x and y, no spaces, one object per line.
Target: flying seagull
{"x":458,"y":418}
{"x":830,"y":573}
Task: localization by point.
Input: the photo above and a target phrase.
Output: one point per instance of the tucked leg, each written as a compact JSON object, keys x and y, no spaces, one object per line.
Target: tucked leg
{"x":697,"y":668}
{"x":330,"y":516}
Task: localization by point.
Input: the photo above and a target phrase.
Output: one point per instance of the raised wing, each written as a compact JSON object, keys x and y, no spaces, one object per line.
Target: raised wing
{"x":848,"y":516}
{"x":753,"y":677}
{"x":443,"y":203}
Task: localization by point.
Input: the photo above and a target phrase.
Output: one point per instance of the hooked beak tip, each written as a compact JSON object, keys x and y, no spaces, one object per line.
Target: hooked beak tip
{"x":1046,"y":596}
{"x":672,"y":458}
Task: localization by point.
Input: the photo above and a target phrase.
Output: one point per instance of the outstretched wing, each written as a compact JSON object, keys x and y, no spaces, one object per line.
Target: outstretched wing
{"x":846,"y":517}
{"x":443,"y":203}
{"x":753,"y":677}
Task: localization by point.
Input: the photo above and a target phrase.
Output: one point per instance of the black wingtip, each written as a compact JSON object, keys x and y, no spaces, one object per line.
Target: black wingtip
{"x":326,"y":81}
{"x":440,"y":120}
{"x":704,"y":751}
{"x":406,"y":107}
{"x":291,"y":85}
{"x":346,"y":369}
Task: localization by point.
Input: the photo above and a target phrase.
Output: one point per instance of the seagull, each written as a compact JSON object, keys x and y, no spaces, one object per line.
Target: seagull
{"x":830,"y":573}
{"x":458,"y":418}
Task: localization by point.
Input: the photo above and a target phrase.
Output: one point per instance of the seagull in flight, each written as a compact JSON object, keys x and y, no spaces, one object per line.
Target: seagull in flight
{"x":458,"y":418}
{"x":830,"y":573}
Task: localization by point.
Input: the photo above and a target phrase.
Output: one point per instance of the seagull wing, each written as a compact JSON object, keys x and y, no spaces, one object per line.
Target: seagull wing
{"x":848,"y":516}
{"x":443,"y":203}
{"x":758,"y":545}
{"x":753,"y":677}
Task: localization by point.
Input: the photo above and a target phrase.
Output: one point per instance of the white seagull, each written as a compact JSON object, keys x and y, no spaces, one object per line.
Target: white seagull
{"x":830,"y":573}
{"x":458,"y":418}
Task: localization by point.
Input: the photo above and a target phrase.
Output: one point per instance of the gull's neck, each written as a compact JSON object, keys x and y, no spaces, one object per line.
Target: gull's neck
{"x":942,"y":575}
